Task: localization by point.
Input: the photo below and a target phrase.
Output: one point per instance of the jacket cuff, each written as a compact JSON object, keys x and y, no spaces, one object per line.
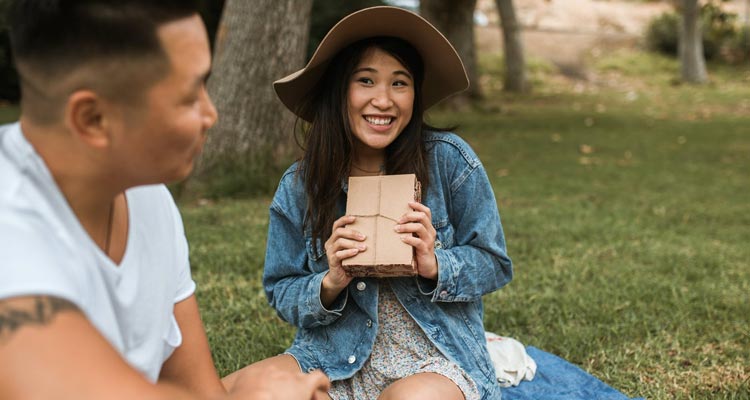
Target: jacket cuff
{"x":324,"y":315}
{"x":445,"y":290}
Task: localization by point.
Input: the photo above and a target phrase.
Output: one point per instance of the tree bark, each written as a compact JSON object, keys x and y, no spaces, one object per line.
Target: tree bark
{"x":455,"y":20}
{"x":692,"y":62}
{"x":515,"y":64}
{"x":257,"y":42}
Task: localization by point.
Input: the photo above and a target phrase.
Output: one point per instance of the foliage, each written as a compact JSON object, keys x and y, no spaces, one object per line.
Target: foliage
{"x":624,"y":206}
{"x":325,"y":14}
{"x":9,"y":90}
{"x":662,"y":33}
{"x":739,"y":46}
{"x":720,"y":32}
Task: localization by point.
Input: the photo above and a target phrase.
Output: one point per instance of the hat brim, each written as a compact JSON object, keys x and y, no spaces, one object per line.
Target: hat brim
{"x":444,"y":73}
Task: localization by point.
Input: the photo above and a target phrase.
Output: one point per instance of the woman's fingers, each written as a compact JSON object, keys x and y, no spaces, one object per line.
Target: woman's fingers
{"x":348,"y":233}
{"x":419,"y":207}
{"x":419,"y":245}
{"x":413,"y":227}
{"x":342,"y":243}
{"x":416,"y":216}
{"x":345,"y":220}
{"x":342,"y":237}
{"x":344,"y":254}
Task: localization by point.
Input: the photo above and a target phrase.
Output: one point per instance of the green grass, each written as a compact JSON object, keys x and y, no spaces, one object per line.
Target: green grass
{"x":625,"y":206}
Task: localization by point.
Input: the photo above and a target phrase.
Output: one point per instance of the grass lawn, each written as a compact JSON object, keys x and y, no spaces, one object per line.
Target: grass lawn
{"x":625,"y":206}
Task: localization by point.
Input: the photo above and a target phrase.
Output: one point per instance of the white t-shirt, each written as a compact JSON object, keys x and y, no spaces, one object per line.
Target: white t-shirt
{"x":44,"y":250}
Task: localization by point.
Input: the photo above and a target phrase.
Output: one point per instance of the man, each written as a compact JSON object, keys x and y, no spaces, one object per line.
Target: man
{"x":96,"y":298}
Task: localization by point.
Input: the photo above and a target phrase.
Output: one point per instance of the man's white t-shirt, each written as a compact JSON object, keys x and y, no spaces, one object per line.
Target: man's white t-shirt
{"x":44,"y":250}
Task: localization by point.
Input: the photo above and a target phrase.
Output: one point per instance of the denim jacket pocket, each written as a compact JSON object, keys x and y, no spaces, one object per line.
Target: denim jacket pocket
{"x":445,"y":238}
{"x":315,"y":253}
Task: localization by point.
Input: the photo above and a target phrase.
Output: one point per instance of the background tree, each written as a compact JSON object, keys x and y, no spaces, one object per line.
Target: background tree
{"x":692,"y":62}
{"x":326,"y":13}
{"x":515,"y":64}
{"x":257,"y":42}
{"x":455,"y":19}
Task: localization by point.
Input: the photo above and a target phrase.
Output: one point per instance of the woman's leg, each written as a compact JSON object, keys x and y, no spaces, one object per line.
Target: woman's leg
{"x":422,"y":386}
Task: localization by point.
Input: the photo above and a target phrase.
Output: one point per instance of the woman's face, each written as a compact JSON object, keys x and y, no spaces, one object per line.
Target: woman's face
{"x":380,"y":100}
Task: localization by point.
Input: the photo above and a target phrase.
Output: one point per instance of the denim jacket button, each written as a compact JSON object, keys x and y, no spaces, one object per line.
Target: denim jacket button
{"x":352,"y":359}
{"x":438,"y":244}
{"x":443,"y":294}
{"x":311,"y":369}
{"x":361,"y":286}
{"x":369,"y":323}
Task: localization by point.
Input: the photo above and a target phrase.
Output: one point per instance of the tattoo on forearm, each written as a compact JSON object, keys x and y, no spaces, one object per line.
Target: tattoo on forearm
{"x":38,"y":310}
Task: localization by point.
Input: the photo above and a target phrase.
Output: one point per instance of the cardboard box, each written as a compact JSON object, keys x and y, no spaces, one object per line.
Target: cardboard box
{"x":378,"y":202}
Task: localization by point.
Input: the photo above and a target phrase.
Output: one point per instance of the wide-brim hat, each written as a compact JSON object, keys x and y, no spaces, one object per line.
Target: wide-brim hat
{"x":444,"y":73}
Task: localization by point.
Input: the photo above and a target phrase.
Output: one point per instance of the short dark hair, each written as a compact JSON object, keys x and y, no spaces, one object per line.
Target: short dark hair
{"x":65,"y":32}
{"x":52,"y":38}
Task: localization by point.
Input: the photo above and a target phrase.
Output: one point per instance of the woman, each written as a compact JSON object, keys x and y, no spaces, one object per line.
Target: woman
{"x":363,"y":95}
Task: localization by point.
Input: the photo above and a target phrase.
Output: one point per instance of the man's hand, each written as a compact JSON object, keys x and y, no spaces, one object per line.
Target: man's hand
{"x":277,"y":378}
{"x":278,"y":384}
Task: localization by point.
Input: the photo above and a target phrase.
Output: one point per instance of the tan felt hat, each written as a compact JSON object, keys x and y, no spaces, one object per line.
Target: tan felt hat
{"x":444,"y":73}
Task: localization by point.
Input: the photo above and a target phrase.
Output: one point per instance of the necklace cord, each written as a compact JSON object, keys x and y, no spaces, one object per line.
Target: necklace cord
{"x":108,"y":237}
{"x":368,"y":171}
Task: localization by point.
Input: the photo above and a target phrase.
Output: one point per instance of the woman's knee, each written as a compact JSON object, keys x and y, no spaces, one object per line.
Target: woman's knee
{"x":423,"y":386}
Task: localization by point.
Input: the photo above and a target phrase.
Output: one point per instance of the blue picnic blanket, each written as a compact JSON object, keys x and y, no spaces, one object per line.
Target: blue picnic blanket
{"x":557,"y":379}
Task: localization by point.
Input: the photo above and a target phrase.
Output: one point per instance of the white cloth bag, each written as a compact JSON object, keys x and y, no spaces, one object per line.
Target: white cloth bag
{"x":512,"y":363}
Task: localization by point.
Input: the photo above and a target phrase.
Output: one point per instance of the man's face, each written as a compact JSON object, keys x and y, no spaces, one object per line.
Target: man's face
{"x":159,"y":140}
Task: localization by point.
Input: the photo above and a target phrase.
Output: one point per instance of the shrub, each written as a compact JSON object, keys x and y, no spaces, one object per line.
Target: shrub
{"x":719,"y":30}
{"x":738,"y":49}
{"x":661,"y":33}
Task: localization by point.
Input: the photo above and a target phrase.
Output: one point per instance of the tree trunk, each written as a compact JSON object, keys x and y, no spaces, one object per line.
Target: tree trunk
{"x":257,"y":42}
{"x":693,"y":65}
{"x":515,"y":64}
{"x":455,"y":20}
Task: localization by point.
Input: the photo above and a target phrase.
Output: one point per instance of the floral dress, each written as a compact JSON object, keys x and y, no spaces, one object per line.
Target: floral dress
{"x":401,"y":349}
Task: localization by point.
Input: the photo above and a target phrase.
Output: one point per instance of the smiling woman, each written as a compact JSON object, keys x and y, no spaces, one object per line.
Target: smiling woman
{"x":380,"y":101}
{"x":363,"y":96}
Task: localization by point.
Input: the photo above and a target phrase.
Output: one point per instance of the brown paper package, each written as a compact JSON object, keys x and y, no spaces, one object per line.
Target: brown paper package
{"x":378,"y":202}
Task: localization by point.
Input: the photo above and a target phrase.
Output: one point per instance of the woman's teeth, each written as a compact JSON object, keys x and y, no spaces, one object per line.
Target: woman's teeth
{"x":379,"y":121}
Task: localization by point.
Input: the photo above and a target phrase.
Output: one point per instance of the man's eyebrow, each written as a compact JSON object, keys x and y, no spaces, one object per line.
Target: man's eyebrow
{"x":202,"y":79}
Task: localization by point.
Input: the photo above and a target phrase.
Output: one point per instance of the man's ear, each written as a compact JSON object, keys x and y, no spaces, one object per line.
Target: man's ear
{"x":88,"y":117}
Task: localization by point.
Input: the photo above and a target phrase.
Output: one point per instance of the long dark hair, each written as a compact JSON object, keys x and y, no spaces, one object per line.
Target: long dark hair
{"x":328,"y":140}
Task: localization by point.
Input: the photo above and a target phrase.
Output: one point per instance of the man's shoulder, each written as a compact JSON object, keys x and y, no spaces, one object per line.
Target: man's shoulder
{"x":151,"y":193}
{"x":37,"y":257}
{"x":12,"y":178}
{"x":154,"y":206}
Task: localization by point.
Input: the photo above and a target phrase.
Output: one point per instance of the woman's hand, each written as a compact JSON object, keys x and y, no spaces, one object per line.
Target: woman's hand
{"x":419,"y":223}
{"x":344,"y":243}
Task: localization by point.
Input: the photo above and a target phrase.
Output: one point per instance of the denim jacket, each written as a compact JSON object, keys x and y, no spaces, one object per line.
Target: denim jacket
{"x":472,"y":261}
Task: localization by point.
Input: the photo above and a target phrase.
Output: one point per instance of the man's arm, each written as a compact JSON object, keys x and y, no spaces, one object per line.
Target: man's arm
{"x":191,"y":365}
{"x":50,"y":350}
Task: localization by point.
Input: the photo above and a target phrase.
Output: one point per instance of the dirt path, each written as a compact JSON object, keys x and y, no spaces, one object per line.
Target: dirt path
{"x":565,"y":31}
